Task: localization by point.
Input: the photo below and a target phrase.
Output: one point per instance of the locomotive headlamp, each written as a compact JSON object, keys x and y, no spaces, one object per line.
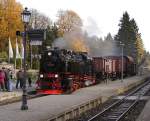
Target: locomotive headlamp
{"x":49,"y":53}
{"x":70,"y":78}
{"x":41,"y":75}
{"x":56,"y":75}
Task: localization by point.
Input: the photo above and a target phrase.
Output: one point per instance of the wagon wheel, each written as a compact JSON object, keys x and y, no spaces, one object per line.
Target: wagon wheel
{"x":70,"y":88}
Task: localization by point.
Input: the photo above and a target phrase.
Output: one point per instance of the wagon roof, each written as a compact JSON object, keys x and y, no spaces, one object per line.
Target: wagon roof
{"x":97,"y":57}
{"x":112,"y":57}
{"x":115,"y":57}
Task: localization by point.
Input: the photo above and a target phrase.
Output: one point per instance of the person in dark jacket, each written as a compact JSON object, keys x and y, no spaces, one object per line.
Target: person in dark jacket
{"x":29,"y":82}
{"x":20,"y":77}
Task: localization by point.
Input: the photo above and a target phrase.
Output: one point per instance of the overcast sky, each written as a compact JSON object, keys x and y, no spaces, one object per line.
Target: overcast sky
{"x":99,"y":16}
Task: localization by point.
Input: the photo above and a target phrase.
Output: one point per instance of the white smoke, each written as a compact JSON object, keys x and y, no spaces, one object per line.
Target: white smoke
{"x":61,"y":43}
{"x":72,"y":40}
{"x":91,"y":27}
{"x":95,"y":46}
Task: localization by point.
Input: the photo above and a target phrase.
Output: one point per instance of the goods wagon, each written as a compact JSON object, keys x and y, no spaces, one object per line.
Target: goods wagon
{"x":99,"y":67}
{"x":114,"y":66}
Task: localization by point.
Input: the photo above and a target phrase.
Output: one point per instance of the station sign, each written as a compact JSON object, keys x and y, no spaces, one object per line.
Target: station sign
{"x":36,"y":42}
{"x":37,"y":35}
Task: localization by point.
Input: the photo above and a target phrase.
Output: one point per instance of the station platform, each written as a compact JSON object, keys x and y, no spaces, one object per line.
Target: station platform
{"x":15,"y":93}
{"x":9,"y":95}
{"x":145,"y":114}
{"x":44,"y":108}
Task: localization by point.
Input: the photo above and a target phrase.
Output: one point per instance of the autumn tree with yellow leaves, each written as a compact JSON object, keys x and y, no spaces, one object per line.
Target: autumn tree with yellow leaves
{"x":139,"y":47}
{"x":69,"y":27}
{"x":10,"y":22}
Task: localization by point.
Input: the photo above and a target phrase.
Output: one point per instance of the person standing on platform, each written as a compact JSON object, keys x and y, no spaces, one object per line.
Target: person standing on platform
{"x":29,"y":81}
{"x":9,"y":83}
{"x":2,"y":79}
{"x":6,"y":78}
{"x":20,"y":76}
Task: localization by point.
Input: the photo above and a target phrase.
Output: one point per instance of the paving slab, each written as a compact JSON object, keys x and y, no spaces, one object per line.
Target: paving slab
{"x":6,"y":95}
{"x":9,"y":95}
{"x":145,"y":114}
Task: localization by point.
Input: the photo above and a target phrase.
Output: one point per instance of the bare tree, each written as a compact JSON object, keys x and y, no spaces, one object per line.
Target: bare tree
{"x":39,"y":20}
{"x":68,"y":21}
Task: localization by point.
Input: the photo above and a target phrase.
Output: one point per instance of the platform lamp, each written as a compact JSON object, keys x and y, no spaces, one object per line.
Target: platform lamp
{"x":122,"y":63}
{"x":25,"y":18}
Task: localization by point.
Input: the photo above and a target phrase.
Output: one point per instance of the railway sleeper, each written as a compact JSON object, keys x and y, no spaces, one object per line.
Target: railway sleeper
{"x":108,"y":118}
{"x":116,"y":113}
{"x":113,"y":116}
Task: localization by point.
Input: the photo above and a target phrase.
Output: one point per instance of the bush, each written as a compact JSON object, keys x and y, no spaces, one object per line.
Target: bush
{"x":33,"y":74}
{"x":3,"y":56}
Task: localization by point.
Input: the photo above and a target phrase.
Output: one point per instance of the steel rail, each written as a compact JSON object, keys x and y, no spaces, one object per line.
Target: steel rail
{"x":123,"y":114}
{"x":121,"y":101}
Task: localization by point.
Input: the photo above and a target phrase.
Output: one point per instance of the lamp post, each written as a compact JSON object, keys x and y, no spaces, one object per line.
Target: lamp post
{"x":122,"y":63}
{"x":25,"y":18}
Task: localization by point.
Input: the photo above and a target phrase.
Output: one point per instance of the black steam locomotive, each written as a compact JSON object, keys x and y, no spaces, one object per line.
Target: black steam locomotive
{"x":64,"y":71}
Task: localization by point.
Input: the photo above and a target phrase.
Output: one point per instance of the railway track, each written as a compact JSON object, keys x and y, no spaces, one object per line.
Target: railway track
{"x":119,"y":109}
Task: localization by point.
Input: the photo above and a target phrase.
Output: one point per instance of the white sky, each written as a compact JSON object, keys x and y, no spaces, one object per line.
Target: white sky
{"x":100,"y":16}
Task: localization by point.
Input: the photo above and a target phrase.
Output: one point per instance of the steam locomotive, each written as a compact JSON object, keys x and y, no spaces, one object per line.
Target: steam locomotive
{"x":64,"y":71}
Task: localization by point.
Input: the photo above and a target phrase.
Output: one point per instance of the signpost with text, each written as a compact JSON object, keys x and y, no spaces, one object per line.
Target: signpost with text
{"x":36,"y":36}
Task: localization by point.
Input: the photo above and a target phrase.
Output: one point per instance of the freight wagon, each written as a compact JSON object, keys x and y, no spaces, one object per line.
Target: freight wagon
{"x":112,"y":66}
